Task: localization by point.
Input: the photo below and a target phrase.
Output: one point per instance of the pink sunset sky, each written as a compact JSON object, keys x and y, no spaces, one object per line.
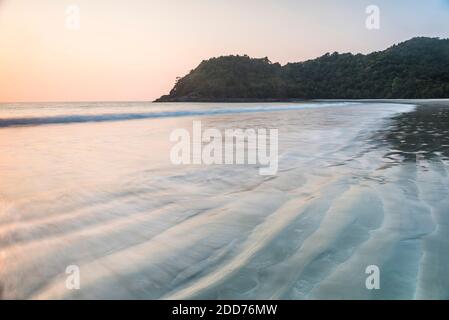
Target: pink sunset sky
{"x":134,"y":49}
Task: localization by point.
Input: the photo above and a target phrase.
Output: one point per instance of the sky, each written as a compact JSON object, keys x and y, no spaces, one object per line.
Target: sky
{"x":133,"y":50}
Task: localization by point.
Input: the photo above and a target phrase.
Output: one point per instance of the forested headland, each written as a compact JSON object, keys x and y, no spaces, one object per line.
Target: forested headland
{"x":417,"y":68}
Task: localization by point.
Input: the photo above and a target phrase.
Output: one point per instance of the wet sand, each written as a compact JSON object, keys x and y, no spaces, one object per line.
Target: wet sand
{"x":358,"y":184}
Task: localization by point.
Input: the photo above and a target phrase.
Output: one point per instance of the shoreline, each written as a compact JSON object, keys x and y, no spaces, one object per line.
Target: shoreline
{"x":238,"y":100}
{"x":233,"y":100}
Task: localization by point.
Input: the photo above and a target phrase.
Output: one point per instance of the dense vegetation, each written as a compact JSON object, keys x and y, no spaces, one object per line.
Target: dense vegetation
{"x":417,"y":68}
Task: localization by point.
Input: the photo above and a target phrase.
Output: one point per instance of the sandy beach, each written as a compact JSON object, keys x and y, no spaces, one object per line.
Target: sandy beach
{"x":91,"y":185}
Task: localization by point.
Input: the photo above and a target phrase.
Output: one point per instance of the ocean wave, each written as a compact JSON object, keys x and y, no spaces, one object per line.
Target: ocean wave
{"x":81,"y":118}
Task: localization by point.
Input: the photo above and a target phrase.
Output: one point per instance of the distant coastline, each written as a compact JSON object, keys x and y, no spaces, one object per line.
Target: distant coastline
{"x":414,"y":69}
{"x":229,"y":100}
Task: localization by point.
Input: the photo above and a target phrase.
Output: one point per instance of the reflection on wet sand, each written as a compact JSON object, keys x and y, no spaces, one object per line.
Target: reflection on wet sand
{"x":420,"y":134}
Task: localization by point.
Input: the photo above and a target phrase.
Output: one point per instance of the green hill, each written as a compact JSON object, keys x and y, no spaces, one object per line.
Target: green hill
{"x":417,"y":68}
